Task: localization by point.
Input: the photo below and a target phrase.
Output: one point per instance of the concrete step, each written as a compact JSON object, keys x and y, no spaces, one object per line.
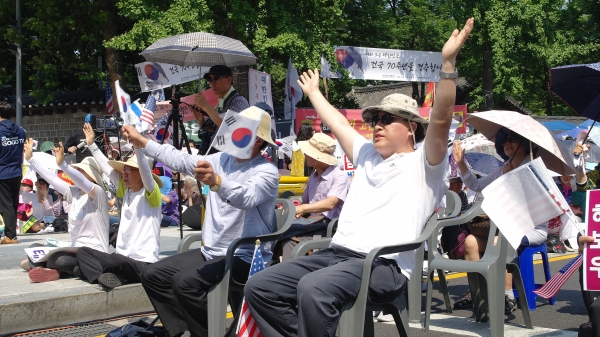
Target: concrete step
{"x":25,"y":305}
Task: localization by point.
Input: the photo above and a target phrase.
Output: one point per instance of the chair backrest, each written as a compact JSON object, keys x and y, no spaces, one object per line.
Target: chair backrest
{"x":453,"y":205}
{"x":284,"y":215}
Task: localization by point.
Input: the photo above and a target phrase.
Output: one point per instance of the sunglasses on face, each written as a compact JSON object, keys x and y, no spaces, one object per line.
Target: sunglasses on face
{"x":386,"y":119}
{"x":211,"y":79}
{"x":509,"y":139}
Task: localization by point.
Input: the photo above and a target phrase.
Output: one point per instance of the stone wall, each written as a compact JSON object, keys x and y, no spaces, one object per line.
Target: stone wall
{"x":55,"y":128}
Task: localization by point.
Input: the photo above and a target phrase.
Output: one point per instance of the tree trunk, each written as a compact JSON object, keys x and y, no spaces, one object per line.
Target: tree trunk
{"x":114,"y":59}
{"x":546,"y":91}
{"x":488,"y":78}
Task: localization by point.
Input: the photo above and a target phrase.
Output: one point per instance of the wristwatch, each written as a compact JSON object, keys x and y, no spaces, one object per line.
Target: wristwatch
{"x":217,"y":184}
{"x":453,"y":75}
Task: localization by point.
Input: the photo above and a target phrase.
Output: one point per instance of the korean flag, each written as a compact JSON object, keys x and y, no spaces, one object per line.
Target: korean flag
{"x":237,"y":134}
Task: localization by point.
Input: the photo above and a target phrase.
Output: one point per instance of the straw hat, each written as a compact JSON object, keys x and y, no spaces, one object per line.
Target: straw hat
{"x":118,"y":165}
{"x":320,"y":147}
{"x":90,"y":166}
{"x":264,"y":129}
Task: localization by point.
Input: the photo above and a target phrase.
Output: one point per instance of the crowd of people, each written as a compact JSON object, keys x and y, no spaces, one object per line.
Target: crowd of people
{"x":295,"y":296}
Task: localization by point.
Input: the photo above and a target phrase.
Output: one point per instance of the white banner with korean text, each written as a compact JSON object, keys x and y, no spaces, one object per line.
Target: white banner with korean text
{"x":259,"y":88}
{"x":154,"y":75}
{"x":385,"y":64}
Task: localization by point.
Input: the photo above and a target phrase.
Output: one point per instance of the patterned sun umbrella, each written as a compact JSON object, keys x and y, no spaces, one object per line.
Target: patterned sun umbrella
{"x":477,"y":143}
{"x":554,"y":154}
{"x":199,"y":49}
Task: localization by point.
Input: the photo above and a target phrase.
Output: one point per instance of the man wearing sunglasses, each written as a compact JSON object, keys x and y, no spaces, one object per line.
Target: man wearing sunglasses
{"x":395,"y":189}
{"x":220,"y":80}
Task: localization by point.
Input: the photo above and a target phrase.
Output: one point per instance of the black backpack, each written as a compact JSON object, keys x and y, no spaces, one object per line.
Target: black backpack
{"x":61,"y":223}
{"x":139,"y":329}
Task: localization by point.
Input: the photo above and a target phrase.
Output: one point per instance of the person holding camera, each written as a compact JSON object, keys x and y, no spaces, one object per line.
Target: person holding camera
{"x":138,"y":238}
{"x":221,"y":82}
{"x":76,"y":145}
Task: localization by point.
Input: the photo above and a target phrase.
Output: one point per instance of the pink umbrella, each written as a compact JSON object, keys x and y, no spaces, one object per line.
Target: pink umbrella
{"x":477,"y":143}
{"x":555,"y":155}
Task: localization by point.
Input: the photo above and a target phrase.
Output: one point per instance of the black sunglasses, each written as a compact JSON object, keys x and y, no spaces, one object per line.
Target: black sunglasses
{"x":386,"y":119}
{"x":211,"y":79}
{"x":509,"y":139}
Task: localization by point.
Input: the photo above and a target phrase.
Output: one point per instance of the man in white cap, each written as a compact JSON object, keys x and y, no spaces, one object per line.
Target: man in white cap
{"x":241,"y":203}
{"x":324,"y":194}
{"x":395,"y":189}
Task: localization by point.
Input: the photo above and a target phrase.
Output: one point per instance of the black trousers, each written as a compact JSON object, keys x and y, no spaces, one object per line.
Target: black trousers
{"x":591,"y":299}
{"x":304,"y":296}
{"x":178,"y":285}
{"x":9,"y":201}
{"x":93,"y":263}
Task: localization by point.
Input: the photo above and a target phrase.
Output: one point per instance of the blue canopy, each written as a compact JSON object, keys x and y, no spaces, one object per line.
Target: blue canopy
{"x":586,"y":124}
{"x":573,"y":133}
{"x":558,"y":125}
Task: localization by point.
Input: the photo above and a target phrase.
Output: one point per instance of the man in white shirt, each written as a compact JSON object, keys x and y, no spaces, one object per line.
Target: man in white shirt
{"x":395,"y":190}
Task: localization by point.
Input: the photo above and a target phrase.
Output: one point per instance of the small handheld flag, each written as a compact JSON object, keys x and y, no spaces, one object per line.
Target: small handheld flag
{"x":108,"y":98}
{"x":559,"y":279}
{"x":247,"y":325}
{"x":236,"y":135}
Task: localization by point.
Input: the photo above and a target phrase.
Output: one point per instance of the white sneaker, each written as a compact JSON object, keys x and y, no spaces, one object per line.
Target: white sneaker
{"x":385,"y":318}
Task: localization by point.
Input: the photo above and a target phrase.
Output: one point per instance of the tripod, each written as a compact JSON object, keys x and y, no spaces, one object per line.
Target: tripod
{"x":176,"y":120}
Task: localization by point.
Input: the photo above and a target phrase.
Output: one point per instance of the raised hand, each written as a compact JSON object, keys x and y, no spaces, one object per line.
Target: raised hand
{"x":90,"y":136}
{"x":134,"y":136}
{"x":456,"y":41}
{"x":457,"y":152}
{"x":28,"y":149}
{"x":60,"y":153}
{"x":201,"y":103}
{"x":309,"y":82}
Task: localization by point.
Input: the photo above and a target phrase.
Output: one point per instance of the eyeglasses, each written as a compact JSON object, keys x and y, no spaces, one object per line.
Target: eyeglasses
{"x":386,"y":119}
{"x":128,"y":170}
{"x":509,"y":139}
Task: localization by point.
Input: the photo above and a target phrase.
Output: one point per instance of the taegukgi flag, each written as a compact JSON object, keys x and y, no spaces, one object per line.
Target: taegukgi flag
{"x":237,"y":134}
{"x":123,"y":100}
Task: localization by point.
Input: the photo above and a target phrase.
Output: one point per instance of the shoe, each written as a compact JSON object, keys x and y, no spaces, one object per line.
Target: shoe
{"x":8,"y":240}
{"x":25,"y":265}
{"x":385,"y":318}
{"x":465,"y":302}
{"x":64,"y":263}
{"x":40,"y":275}
{"x":110,"y":280}
{"x":510,"y":305}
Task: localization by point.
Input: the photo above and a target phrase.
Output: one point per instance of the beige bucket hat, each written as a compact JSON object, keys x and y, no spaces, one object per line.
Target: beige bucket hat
{"x":320,"y":147}
{"x":118,"y":166}
{"x":264,"y":128}
{"x":90,"y":166}
{"x":402,"y":106}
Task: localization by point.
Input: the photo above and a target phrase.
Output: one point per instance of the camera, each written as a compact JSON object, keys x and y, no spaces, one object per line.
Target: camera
{"x":110,"y":125}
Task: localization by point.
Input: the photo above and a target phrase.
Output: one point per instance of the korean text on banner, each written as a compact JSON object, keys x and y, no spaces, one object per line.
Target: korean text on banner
{"x":591,"y":251}
{"x":386,"y":64}
{"x":237,"y":134}
{"x":154,"y":75}
{"x":259,"y":87}
{"x":520,"y":200}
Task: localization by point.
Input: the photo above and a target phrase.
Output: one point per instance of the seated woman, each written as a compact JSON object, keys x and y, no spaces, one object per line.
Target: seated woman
{"x":88,"y":211}
{"x":42,"y":204}
{"x":515,"y":150}
{"x":170,"y":203}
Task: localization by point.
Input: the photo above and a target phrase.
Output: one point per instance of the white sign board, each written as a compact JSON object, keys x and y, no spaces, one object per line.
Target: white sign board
{"x":259,"y":87}
{"x":153,"y":75}
{"x":386,"y":64}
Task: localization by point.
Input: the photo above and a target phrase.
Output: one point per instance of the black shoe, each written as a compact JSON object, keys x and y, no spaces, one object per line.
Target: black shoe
{"x":510,"y":305}
{"x":110,"y":280}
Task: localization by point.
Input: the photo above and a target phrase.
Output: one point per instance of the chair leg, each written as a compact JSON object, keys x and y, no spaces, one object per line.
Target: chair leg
{"x":428,"y":300}
{"x":414,"y":288}
{"x":478,"y":296}
{"x":217,"y":308}
{"x":528,"y":275}
{"x":369,"y":328}
{"x":444,"y":287}
{"x":518,"y":282}
{"x":352,"y":322}
{"x":495,"y":283}
{"x":547,"y":275}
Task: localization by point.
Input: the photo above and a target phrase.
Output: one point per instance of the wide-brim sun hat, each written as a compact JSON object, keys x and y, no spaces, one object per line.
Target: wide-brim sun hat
{"x":396,"y":104}
{"x":264,"y":128}
{"x":320,"y":147}
{"x":90,"y":166}
{"x":118,"y":166}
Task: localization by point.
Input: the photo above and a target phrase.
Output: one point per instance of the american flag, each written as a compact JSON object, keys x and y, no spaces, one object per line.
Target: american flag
{"x":558,"y":280}
{"x":148,"y":111}
{"x":247,"y":326}
{"x":108,"y":98}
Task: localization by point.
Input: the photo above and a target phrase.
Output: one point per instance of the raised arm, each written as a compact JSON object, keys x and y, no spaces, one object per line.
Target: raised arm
{"x":174,"y":159}
{"x":46,"y":173}
{"x":100,"y":158}
{"x":436,"y":139}
{"x":338,"y":123}
{"x":145,"y":172}
{"x":77,"y":177}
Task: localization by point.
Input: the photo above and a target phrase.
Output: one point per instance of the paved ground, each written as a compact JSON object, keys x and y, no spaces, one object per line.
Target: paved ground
{"x":562,"y":319}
